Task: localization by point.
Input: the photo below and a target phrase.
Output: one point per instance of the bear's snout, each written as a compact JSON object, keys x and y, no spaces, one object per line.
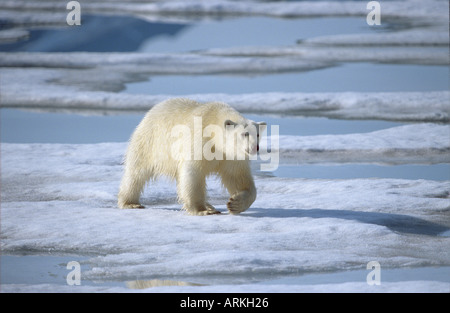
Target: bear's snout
{"x":254,"y":149}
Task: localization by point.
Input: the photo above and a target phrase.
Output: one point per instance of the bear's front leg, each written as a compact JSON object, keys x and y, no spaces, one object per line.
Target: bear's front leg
{"x":241,"y":187}
{"x":191,"y":188}
{"x":241,"y":201}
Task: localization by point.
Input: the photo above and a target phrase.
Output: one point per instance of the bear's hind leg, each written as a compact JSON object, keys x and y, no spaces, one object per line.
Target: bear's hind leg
{"x":130,"y":191}
{"x":211,"y":209}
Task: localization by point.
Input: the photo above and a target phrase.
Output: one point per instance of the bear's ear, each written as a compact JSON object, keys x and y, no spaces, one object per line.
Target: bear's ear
{"x":229,"y":123}
{"x":261,"y":126}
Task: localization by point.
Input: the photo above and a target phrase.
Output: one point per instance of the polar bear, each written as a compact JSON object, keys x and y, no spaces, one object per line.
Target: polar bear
{"x":187,"y":141}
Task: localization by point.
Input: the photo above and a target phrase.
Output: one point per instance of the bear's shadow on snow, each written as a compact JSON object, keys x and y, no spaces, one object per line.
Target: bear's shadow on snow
{"x":395,"y":222}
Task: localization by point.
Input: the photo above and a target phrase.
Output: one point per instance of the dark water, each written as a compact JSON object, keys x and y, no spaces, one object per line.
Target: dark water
{"x":357,"y":77}
{"x":126,"y":34}
{"x":97,"y":34}
{"x":439,"y":172}
{"x":21,"y":126}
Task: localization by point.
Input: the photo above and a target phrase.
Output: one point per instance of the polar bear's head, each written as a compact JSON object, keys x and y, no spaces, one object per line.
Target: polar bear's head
{"x":246,"y":133}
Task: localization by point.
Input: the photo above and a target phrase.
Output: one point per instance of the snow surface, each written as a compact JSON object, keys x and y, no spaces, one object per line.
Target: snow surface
{"x":61,"y":199}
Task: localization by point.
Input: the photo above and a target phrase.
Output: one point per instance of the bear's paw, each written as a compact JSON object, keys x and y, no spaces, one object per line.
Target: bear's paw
{"x":236,"y":204}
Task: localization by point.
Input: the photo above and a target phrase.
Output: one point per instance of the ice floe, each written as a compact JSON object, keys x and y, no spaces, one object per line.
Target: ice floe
{"x":403,"y":55}
{"x":60,"y":89}
{"x":61,"y":199}
{"x":187,"y":63}
{"x":431,"y":9}
{"x":417,"y":143}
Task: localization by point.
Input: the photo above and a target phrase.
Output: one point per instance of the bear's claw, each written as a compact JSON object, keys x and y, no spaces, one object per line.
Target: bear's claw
{"x":133,"y":206}
{"x":205,"y":212}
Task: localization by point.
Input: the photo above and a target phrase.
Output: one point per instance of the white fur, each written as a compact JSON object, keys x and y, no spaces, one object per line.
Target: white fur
{"x":152,"y":152}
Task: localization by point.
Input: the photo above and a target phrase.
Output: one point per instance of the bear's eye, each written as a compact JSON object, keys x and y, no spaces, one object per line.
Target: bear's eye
{"x":246,"y":134}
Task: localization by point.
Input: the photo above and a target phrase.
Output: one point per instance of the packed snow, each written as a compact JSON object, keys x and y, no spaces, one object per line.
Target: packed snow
{"x":313,"y":225}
